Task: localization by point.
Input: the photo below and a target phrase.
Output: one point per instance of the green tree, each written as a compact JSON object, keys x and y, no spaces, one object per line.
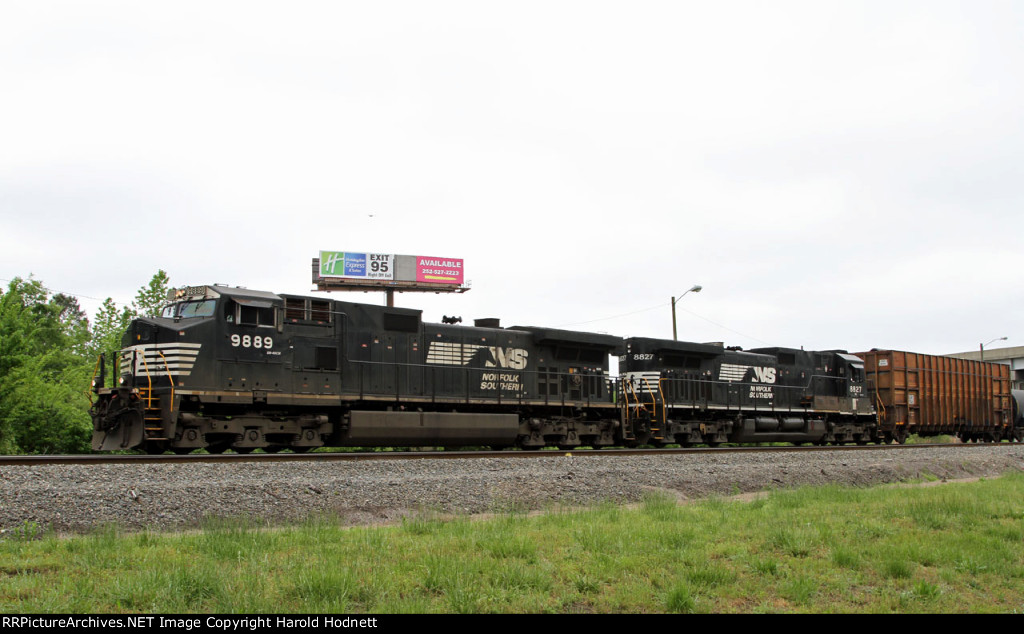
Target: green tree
{"x":48,"y":352}
{"x":151,"y":298}
{"x":43,"y":380}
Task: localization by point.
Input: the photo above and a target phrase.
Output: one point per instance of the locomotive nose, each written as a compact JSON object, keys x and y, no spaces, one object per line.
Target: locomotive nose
{"x":141,"y":331}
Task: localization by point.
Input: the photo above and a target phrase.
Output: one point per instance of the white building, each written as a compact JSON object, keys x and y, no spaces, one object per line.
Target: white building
{"x":1013,"y":357}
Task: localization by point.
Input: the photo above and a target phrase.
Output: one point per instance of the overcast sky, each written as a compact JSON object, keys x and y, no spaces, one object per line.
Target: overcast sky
{"x":834,"y":174}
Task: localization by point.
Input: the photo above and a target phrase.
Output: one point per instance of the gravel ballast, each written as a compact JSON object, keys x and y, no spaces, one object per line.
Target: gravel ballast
{"x":175,"y":496}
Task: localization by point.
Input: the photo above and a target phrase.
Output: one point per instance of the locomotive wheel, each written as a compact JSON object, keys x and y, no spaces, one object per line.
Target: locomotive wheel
{"x":219,"y":447}
{"x":683,"y":440}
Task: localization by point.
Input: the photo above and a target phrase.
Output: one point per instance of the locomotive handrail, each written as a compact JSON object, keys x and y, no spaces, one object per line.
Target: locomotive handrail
{"x":99,"y":365}
{"x":145,"y":366}
{"x":529,"y":381}
{"x":170,"y":379}
{"x":784,"y":398}
{"x":693,"y":395}
{"x":149,"y":380}
{"x":429,"y":384}
{"x":629,"y":384}
{"x":654,"y":401}
{"x":664,"y":403}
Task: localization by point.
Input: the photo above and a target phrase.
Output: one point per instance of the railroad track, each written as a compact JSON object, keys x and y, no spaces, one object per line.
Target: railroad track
{"x":420,"y":455}
{"x":172,"y":492}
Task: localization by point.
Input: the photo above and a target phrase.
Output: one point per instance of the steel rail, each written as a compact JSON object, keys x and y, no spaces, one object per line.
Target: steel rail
{"x":27,"y":460}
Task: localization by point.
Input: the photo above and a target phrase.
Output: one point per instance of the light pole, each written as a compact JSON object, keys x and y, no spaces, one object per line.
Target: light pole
{"x":696,"y":289}
{"x":982,"y":346}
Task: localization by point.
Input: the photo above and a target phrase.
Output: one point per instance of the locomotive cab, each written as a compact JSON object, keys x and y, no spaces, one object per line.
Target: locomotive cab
{"x":165,"y":362}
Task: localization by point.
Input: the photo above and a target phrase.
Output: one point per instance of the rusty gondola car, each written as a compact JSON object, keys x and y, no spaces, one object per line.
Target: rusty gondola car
{"x":932,"y":395}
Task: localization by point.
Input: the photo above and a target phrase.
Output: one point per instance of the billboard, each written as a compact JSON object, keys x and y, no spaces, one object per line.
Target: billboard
{"x":353,"y":265}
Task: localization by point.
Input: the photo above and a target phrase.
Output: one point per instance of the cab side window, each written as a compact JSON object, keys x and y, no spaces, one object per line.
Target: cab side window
{"x":253,"y":313}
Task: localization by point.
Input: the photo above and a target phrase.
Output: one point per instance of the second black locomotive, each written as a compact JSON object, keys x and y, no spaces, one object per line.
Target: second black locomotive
{"x":694,"y":393}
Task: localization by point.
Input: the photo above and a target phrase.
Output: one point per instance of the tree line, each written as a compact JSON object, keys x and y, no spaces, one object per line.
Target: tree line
{"x":49,"y":354}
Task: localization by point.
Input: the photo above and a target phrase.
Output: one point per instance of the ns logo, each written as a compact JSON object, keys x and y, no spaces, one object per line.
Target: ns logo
{"x":734,"y":372}
{"x":455,"y":353}
{"x":511,"y":358}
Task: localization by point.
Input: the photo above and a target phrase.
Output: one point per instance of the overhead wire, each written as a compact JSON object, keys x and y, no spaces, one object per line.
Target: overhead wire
{"x":58,"y":292}
{"x":644,"y":310}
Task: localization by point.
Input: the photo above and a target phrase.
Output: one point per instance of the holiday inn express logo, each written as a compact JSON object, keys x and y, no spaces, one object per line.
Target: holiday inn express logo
{"x":331,"y":262}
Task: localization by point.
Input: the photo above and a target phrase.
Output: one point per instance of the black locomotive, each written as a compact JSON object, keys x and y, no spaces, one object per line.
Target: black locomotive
{"x":233,"y":368}
{"x":699,"y":393}
{"x":230,"y":368}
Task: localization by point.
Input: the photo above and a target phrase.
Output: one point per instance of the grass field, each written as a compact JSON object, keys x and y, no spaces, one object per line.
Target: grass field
{"x":958,"y":547}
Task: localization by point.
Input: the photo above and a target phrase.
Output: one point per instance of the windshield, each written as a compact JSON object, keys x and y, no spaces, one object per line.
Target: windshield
{"x":186,"y":310}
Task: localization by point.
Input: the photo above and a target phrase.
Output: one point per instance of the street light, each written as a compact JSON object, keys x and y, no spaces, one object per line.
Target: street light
{"x":982,"y":346}
{"x":696,"y":289}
